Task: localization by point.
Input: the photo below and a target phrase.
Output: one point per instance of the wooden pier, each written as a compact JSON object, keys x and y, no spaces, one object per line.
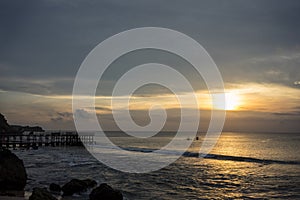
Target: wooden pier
{"x":44,"y":139}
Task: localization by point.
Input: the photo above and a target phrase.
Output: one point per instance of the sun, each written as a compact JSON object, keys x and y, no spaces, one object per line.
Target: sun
{"x":232,"y":101}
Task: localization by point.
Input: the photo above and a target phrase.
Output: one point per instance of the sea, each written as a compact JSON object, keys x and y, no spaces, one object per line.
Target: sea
{"x":240,"y":166}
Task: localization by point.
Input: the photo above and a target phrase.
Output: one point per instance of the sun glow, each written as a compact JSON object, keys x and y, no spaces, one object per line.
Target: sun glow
{"x":232,"y":101}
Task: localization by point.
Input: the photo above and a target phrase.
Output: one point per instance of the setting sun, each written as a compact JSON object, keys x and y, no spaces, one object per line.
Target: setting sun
{"x":232,"y":101}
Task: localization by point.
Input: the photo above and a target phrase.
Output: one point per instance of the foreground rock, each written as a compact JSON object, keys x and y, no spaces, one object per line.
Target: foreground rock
{"x":105,"y":192}
{"x":41,"y":194}
{"x":54,"y":187}
{"x":90,"y":183}
{"x":13,"y":175}
{"x":11,"y":198}
{"x":77,"y":186}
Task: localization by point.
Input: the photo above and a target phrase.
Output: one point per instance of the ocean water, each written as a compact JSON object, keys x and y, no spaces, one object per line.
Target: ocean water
{"x":241,"y":166}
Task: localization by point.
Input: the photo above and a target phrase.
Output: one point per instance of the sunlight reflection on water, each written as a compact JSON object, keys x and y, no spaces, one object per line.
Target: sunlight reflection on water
{"x":189,"y":177}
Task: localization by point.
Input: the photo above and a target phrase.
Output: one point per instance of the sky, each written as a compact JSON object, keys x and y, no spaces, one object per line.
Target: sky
{"x":255,"y":44}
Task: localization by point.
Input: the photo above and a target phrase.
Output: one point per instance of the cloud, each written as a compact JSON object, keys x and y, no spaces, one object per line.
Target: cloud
{"x":277,"y":68}
{"x":102,"y":108}
{"x":51,"y":38}
{"x":83,"y":114}
{"x":62,"y":116}
{"x":65,"y":114}
{"x":57,"y":119}
{"x":288,"y":114}
{"x":57,"y":86}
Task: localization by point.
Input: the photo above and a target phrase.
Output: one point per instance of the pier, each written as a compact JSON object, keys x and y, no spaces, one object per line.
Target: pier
{"x":35,"y":140}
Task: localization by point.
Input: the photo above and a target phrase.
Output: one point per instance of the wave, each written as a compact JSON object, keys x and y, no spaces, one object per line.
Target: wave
{"x":211,"y":156}
{"x":76,"y":164}
{"x":249,"y":159}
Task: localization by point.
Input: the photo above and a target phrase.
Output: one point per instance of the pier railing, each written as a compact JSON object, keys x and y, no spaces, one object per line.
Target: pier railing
{"x":44,"y":139}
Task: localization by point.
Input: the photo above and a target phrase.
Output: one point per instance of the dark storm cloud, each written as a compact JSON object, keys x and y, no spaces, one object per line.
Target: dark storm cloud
{"x":49,"y":39}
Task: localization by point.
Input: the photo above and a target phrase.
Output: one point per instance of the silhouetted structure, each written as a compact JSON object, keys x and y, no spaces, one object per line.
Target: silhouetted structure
{"x":13,"y":136}
{"x":45,"y":139}
{"x":5,"y":128}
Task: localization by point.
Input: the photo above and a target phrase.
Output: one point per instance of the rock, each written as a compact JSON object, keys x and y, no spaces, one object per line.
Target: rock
{"x":41,"y":194}
{"x":4,"y":126}
{"x":12,"y":172}
{"x":12,"y":193}
{"x":54,"y":187}
{"x":34,"y":146}
{"x":105,"y":192}
{"x":77,"y":186}
{"x":74,"y":186}
{"x":90,"y":183}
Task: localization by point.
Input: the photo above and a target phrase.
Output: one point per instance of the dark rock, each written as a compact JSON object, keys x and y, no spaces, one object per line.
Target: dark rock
{"x":74,"y":186}
{"x":90,"y":183}
{"x":34,"y":146}
{"x":4,"y":126}
{"x":41,"y":194}
{"x":54,"y":187}
{"x":12,"y":172}
{"x":105,"y":192}
{"x":12,"y":193}
{"x":77,"y":186}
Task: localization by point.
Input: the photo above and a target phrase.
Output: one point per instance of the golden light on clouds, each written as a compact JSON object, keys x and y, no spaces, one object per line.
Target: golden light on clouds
{"x":267,"y":97}
{"x":238,"y":97}
{"x":248,"y":97}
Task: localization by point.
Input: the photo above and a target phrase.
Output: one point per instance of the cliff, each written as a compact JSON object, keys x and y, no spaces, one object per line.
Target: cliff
{"x":6,"y":128}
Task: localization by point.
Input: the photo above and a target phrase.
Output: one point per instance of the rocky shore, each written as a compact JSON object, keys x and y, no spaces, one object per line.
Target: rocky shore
{"x":13,"y":179}
{"x":13,"y":175}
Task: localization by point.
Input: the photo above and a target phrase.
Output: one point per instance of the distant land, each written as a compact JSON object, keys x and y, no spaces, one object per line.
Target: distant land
{"x":13,"y":129}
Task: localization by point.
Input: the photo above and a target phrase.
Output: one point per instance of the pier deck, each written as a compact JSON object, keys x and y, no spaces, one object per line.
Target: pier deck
{"x":44,"y":139}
